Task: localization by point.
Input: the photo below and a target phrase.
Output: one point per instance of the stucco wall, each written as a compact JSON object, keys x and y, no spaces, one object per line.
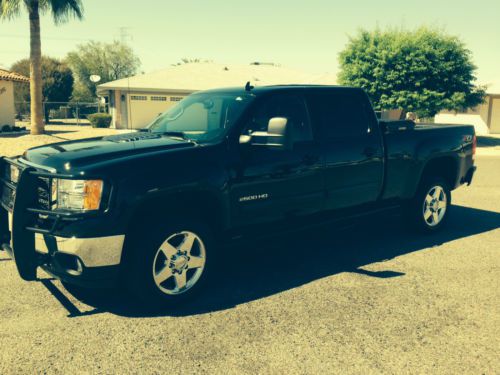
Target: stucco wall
{"x":7,"y":109}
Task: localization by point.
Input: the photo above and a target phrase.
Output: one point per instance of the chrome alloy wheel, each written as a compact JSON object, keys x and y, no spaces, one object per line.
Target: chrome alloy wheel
{"x":435,"y":206}
{"x":179,"y":263}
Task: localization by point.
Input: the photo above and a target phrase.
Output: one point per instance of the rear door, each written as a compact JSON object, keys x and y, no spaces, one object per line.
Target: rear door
{"x":351,"y":144}
{"x":273,"y":184}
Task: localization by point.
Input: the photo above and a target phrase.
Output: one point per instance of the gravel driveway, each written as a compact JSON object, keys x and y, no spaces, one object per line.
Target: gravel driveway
{"x":372,"y":298}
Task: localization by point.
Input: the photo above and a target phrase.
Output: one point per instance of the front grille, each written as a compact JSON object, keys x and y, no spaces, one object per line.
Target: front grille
{"x":8,"y":196}
{"x":43,"y":190}
{"x":7,"y":187}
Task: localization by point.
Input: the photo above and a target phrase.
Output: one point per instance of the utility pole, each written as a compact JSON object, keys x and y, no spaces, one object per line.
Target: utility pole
{"x":125,"y":36}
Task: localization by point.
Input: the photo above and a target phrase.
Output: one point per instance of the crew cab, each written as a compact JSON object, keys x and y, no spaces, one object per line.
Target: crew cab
{"x":149,"y":210}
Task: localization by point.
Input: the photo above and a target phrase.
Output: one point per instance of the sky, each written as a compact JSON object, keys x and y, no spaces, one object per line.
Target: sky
{"x":305,"y":35}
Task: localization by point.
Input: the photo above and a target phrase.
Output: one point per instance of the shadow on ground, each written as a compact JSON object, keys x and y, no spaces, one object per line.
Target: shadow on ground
{"x":485,"y":141}
{"x":260,"y":270}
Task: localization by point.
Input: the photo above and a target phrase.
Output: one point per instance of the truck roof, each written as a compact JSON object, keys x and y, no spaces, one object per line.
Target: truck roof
{"x":265,"y":89}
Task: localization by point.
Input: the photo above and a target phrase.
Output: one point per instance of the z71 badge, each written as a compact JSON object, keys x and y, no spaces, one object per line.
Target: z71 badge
{"x":254,"y":197}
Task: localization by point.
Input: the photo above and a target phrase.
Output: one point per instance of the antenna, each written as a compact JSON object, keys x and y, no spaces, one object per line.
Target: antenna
{"x":249,"y":87}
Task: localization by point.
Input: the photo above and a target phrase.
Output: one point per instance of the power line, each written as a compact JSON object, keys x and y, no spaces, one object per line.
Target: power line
{"x":20,"y":36}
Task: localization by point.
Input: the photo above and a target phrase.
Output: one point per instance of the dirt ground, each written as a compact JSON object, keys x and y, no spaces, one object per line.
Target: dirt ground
{"x":373,"y":298}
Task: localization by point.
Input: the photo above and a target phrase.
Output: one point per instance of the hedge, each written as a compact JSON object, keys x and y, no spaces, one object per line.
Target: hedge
{"x":100,"y":120}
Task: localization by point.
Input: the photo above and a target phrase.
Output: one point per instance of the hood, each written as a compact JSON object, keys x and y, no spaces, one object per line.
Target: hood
{"x":76,"y":154}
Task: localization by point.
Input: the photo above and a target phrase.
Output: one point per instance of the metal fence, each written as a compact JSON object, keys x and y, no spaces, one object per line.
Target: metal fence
{"x":67,"y":113}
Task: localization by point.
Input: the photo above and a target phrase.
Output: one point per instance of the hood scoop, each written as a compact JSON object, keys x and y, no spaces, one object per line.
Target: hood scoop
{"x":131,"y":137}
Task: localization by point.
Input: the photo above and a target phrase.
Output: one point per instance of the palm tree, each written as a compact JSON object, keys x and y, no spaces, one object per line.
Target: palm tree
{"x":61,"y":10}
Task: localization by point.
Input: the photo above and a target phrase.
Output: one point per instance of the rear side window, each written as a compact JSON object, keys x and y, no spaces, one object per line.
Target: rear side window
{"x":340,"y":114}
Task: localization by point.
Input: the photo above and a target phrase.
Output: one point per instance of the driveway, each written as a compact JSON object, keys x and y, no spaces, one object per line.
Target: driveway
{"x":372,"y":298}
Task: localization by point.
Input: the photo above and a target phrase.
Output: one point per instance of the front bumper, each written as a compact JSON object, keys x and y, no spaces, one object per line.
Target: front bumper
{"x":84,"y":261}
{"x":92,"y":262}
{"x":92,"y":252}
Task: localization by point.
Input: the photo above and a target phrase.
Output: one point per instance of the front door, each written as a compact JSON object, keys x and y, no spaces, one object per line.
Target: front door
{"x":274,"y":184}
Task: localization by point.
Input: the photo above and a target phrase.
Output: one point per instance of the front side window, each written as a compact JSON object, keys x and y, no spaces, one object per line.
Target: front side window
{"x":292,"y":107}
{"x":203,"y":117}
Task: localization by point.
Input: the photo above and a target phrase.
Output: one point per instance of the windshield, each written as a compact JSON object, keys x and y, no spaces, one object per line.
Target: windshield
{"x":202,"y":117}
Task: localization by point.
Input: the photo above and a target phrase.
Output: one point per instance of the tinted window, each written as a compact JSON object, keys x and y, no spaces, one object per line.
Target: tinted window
{"x":339,"y":114}
{"x":291,"y":107}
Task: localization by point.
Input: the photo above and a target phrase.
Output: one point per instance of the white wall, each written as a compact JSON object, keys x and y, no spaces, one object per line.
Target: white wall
{"x":7,"y":109}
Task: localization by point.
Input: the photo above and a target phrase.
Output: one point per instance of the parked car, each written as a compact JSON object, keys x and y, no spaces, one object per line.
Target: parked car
{"x":150,"y":209}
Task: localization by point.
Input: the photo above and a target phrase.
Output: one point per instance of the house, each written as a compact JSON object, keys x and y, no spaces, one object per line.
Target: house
{"x":7,"y":108}
{"x":134,"y":102}
{"x":485,"y":117}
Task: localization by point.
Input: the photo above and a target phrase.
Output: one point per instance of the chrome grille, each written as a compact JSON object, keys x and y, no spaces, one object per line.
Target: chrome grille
{"x":43,"y":190}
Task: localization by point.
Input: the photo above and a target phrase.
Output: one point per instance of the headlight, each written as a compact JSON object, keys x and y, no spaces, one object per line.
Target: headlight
{"x":82,"y":195}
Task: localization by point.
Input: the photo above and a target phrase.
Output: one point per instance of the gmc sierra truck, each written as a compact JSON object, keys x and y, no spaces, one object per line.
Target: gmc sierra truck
{"x":149,"y":210}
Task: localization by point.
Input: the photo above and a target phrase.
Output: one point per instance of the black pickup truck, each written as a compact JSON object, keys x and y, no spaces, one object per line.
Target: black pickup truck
{"x":151,"y":208}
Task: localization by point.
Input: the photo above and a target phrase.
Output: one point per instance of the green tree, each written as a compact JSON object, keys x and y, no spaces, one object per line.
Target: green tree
{"x":187,"y":60}
{"x":57,"y":82}
{"x":422,"y":71}
{"x":61,"y":10}
{"x":111,"y":61}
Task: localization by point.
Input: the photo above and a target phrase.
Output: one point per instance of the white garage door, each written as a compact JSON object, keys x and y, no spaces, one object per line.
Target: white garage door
{"x":145,"y":108}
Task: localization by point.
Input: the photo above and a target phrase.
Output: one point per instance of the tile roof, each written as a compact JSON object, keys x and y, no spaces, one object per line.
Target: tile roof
{"x":6,"y":75}
{"x":202,"y":76}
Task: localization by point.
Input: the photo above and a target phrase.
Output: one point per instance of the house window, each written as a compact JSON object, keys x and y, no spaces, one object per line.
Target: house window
{"x":158,"y":98}
{"x":176,"y":98}
{"x":139,"y":97}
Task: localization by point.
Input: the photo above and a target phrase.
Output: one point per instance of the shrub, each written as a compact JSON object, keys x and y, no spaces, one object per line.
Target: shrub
{"x":6,"y":128}
{"x":100,"y":120}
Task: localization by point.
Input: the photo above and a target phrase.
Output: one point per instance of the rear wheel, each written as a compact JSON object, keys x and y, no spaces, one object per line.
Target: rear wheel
{"x":429,"y":208}
{"x":170,"y":264}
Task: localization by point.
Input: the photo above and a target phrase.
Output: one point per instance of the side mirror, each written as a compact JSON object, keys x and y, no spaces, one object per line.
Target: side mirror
{"x":275,"y":137}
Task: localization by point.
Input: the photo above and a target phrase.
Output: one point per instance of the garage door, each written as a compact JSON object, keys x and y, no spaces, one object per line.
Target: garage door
{"x":495,"y":117}
{"x":145,"y":108}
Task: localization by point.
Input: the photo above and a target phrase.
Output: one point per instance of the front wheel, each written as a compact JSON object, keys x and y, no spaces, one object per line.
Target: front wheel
{"x":170,"y":265}
{"x":429,"y":208}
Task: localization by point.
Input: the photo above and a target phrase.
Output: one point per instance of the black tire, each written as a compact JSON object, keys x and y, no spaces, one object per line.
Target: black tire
{"x":417,"y":211}
{"x":143,"y":256}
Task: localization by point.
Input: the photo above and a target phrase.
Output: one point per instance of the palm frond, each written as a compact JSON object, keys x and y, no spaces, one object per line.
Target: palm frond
{"x":62,"y":10}
{"x":9,"y":8}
